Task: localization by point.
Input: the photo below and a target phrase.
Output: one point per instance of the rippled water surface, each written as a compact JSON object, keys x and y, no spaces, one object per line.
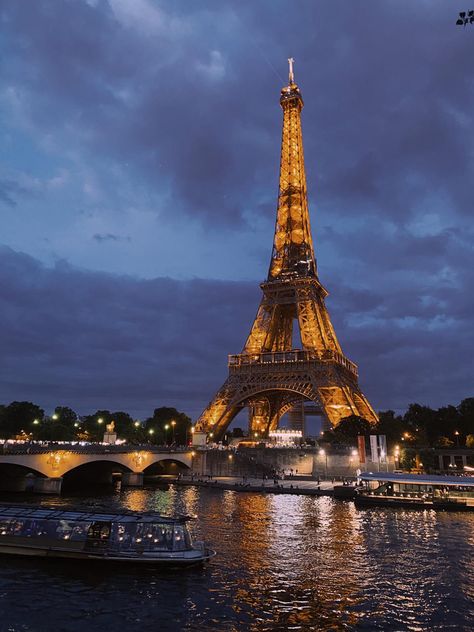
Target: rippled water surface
{"x":283,"y":563}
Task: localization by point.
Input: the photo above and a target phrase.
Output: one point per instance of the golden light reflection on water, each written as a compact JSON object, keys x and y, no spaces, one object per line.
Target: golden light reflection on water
{"x":301,"y":563}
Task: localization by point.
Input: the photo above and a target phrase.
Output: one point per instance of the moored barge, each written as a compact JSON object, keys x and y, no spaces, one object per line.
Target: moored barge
{"x":419,"y":491}
{"x":130,"y":537}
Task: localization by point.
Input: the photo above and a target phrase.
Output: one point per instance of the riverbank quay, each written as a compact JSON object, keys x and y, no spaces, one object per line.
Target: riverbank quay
{"x":296,"y":486}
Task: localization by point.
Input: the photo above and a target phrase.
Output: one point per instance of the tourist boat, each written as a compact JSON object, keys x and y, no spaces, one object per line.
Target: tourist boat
{"x":144,"y":538}
{"x":421,"y":491}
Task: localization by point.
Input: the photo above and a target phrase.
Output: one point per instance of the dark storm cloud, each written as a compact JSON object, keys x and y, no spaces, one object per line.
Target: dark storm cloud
{"x":100,"y":340}
{"x":192,"y":105}
{"x":93,"y":340}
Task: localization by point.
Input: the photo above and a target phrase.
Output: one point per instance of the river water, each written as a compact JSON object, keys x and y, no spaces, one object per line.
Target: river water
{"x":284,"y":563}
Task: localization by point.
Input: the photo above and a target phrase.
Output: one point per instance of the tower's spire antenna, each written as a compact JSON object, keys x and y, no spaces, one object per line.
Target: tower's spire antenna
{"x":291,"y":74}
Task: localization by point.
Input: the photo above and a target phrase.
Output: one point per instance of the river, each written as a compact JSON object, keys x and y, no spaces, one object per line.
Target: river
{"x":283,"y":563}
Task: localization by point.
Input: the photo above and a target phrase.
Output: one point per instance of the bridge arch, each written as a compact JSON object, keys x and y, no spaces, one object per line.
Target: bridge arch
{"x":97,"y":472}
{"x":166,"y":466}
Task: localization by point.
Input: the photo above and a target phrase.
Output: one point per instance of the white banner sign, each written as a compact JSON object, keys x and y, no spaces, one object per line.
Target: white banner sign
{"x":374,"y":454}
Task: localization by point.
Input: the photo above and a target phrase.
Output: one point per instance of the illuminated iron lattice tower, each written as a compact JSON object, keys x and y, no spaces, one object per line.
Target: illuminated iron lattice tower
{"x":270,"y":377}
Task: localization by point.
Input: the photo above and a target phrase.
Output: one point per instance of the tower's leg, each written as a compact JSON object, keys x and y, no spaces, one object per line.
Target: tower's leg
{"x":220,"y":411}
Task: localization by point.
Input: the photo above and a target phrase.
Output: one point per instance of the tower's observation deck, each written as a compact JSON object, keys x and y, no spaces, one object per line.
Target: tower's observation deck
{"x":270,"y":374}
{"x":296,"y":357}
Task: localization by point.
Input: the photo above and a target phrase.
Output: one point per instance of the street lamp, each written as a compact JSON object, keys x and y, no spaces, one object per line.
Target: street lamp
{"x":55,"y":417}
{"x":167,"y":427}
{"x":324,"y":453}
{"x":173,"y":424}
{"x":456,"y":434}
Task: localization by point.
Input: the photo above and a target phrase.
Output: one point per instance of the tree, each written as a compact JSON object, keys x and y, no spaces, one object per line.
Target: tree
{"x":444,"y":442}
{"x":124,"y":425}
{"x":470,"y":441}
{"x":352,"y":426}
{"x":390,"y":425}
{"x":161,"y":429}
{"x":65,"y":415}
{"x":54,"y":430}
{"x":93,"y":426}
{"x":18,"y":416}
{"x":466,"y":416}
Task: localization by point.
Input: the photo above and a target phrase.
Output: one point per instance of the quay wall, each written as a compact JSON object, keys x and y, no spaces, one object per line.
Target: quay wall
{"x":263,"y":461}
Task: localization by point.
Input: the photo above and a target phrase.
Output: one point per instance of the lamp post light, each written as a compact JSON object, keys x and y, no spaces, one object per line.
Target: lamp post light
{"x":173,"y":424}
{"x":456,"y":434}
{"x":151,"y":432}
{"x":100,"y":421}
{"x":167,"y":427}
{"x":324,"y":453}
{"x":55,"y":416}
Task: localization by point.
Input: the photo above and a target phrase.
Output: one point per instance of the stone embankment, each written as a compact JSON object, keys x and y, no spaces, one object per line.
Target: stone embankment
{"x":293,"y":485}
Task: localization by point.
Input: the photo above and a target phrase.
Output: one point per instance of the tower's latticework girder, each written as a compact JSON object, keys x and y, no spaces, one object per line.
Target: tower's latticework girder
{"x":270,"y":376}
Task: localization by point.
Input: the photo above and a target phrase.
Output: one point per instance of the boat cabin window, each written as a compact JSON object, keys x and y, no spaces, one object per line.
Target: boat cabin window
{"x":57,"y":529}
{"x":99,"y":531}
{"x":151,"y":536}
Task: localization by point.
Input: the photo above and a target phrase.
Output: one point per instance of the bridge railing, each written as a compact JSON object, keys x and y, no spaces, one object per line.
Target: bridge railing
{"x":41,"y":447}
{"x":294,"y":356}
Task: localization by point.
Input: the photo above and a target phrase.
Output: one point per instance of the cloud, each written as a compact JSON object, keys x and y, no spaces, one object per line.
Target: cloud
{"x":91,"y":340}
{"x":101,"y":238}
{"x":9,"y":191}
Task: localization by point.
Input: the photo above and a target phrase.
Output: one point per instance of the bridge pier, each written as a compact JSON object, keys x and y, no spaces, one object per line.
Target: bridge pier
{"x":132,"y":479}
{"x":47,"y":485}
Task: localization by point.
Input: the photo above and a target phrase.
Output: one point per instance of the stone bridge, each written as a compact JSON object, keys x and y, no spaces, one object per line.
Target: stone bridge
{"x":43,"y":468}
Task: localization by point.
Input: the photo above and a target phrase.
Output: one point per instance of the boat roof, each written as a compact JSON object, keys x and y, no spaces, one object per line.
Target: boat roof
{"x":81,"y":515}
{"x":418,"y":479}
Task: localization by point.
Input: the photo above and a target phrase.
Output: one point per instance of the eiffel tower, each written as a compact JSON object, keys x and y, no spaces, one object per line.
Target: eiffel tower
{"x":270,"y":376}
